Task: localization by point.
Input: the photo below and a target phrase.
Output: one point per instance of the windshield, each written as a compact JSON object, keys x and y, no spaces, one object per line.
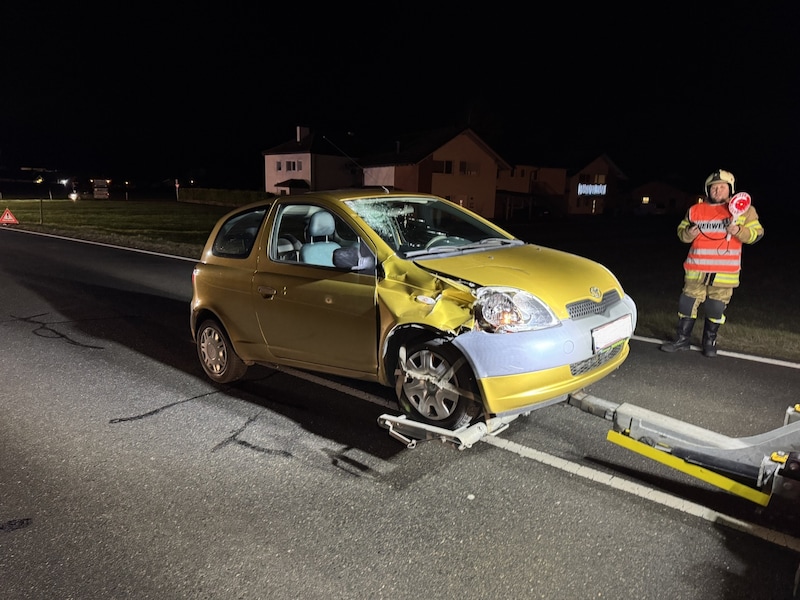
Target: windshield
{"x":416,"y":226}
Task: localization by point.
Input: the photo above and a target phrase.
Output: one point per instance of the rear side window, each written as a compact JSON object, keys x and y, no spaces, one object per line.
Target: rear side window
{"x":237,"y":236}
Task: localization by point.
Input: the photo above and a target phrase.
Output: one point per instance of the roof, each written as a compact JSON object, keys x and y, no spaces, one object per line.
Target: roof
{"x":412,"y":148}
{"x":294,"y":183}
{"x":604,"y":157}
{"x":312,"y":143}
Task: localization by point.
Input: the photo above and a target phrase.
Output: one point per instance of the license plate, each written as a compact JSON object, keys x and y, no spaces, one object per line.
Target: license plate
{"x":611,"y":333}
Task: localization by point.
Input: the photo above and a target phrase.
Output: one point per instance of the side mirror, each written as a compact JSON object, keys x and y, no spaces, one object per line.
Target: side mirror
{"x":354,"y":258}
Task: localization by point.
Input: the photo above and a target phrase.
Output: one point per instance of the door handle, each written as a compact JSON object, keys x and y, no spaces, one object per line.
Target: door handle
{"x":266,"y":291}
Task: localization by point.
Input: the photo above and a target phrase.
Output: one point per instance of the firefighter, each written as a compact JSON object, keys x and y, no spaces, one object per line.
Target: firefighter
{"x":714,"y":260}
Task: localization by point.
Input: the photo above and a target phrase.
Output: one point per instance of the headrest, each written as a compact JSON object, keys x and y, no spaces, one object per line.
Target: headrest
{"x":321,"y":223}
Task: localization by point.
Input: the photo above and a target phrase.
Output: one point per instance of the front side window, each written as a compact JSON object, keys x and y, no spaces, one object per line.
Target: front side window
{"x":309,"y":234}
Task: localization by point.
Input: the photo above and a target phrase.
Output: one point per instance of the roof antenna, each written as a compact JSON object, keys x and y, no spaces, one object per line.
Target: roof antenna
{"x":347,"y":156}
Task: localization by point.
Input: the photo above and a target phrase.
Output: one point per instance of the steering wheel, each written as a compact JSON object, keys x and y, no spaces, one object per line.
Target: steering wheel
{"x":445,"y":240}
{"x":435,"y":241}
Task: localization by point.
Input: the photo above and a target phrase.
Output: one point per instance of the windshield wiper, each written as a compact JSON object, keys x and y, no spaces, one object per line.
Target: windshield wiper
{"x":488,"y":242}
{"x":485,"y":243}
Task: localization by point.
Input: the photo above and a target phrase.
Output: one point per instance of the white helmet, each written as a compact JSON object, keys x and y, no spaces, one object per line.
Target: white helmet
{"x":720,"y":176}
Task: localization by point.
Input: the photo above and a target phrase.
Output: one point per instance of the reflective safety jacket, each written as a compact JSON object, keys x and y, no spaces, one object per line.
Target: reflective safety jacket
{"x":711,"y":251}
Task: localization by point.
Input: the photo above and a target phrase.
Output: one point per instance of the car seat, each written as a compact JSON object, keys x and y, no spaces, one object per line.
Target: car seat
{"x":318,"y":249}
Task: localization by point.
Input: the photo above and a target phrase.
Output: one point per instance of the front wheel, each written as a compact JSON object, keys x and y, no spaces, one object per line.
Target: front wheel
{"x":435,"y":385}
{"x":216,"y":353}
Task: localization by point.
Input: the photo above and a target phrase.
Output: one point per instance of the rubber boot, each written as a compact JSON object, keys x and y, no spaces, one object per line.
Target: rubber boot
{"x":710,"y":338}
{"x":683,"y":336}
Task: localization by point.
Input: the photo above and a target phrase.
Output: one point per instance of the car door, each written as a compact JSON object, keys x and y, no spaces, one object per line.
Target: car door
{"x":316,"y":316}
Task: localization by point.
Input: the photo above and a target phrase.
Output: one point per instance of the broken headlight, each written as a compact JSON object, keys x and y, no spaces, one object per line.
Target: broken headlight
{"x":507,"y":310}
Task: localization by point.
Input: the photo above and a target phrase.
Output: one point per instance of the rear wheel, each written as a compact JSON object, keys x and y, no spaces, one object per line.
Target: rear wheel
{"x":435,"y":385}
{"x":219,"y":360}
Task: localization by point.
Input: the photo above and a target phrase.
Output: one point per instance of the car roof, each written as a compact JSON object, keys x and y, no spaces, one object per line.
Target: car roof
{"x":343,"y":195}
{"x":337,"y":196}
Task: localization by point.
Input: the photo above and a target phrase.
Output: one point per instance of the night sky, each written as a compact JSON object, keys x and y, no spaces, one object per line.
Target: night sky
{"x":145,"y":92}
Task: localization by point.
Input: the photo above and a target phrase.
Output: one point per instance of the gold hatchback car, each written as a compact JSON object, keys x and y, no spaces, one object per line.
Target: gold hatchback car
{"x":461,"y":318}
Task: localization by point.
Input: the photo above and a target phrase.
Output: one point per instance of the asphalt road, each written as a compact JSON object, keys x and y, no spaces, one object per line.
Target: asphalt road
{"x":125,"y":474}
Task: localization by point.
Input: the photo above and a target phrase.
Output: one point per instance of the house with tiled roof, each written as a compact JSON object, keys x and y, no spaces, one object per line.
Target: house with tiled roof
{"x":594,"y":188}
{"x":454,"y":163}
{"x":310,"y":161}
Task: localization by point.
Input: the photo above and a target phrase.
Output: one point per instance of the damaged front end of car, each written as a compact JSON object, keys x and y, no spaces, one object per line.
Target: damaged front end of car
{"x":522,"y":353}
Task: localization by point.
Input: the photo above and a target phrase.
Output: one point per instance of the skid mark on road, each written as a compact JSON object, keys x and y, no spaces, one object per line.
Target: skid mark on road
{"x":160,"y":409}
{"x":46,"y":330}
{"x":15,"y":524}
{"x":234,"y":438}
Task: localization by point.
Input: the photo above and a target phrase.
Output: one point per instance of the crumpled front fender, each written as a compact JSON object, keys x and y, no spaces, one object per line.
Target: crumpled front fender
{"x":410,"y":298}
{"x":413,"y":295}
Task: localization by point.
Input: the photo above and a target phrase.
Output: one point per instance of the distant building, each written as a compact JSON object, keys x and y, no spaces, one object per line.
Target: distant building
{"x":308,"y":162}
{"x":594,"y":189}
{"x":527,"y":192}
{"x":660,"y":198}
{"x":454,"y":163}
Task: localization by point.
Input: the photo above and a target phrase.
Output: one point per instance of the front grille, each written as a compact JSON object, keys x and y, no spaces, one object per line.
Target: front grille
{"x":584,"y":308}
{"x":579,"y":368}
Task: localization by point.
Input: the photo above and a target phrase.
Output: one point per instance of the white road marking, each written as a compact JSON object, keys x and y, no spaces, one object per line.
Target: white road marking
{"x":618,"y":483}
{"x":750,"y":357}
{"x":344,"y":389}
{"x":105,"y":245}
{"x":647,"y":493}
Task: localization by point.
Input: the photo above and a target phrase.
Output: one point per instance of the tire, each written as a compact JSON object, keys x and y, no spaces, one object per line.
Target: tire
{"x":436,"y":385}
{"x":216,"y":353}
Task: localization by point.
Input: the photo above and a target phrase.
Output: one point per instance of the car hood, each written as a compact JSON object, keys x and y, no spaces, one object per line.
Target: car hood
{"x":554,"y":276}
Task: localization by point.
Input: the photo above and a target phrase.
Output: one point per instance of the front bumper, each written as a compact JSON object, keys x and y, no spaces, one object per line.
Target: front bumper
{"x":518,"y":372}
{"x":512,"y":394}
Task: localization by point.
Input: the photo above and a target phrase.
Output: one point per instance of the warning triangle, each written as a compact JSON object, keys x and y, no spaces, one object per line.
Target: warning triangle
{"x":8,"y":218}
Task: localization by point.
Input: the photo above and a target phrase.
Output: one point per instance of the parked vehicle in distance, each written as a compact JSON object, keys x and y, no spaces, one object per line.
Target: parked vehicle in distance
{"x":100,"y":189}
{"x":463,"y":320}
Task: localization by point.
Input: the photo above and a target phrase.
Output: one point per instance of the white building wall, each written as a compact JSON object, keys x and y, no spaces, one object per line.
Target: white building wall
{"x":374,"y":176}
{"x":273,"y":176}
